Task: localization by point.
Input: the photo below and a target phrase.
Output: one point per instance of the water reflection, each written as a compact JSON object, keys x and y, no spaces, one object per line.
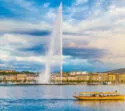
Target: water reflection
{"x":112,"y":105}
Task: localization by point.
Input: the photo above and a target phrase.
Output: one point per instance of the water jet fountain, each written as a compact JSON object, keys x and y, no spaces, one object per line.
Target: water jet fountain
{"x":54,"y":53}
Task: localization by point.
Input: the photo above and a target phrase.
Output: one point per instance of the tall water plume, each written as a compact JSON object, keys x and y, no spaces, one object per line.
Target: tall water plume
{"x":54,"y":53}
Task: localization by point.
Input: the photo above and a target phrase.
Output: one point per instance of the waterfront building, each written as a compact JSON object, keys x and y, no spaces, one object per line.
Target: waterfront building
{"x":72,"y":78}
{"x":78,"y":73}
{"x":21,"y":77}
{"x":11,"y":78}
{"x":122,"y":78}
{"x":104,"y":77}
{"x":112,"y":77}
{"x":58,"y":79}
{"x":31,"y":78}
{"x":83,"y":78}
{"x":94,"y":77}
{"x":1,"y":78}
{"x":7,"y":76}
{"x":7,"y":71}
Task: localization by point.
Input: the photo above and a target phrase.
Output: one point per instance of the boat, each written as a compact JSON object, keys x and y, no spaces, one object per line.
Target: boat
{"x":107,"y":83}
{"x":99,"y":96}
{"x":93,"y":83}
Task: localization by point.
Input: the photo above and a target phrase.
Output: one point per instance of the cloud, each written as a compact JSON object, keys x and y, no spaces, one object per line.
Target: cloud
{"x":79,"y":2}
{"x":20,"y":5}
{"x":84,"y":53}
{"x":22,"y":26}
{"x":27,"y":10}
{"x":14,"y":53}
{"x":102,"y":29}
{"x":17,"y":46}
{"x":80,"y":64}
{"x":46,"y":5}
{"x":93,"y":33}
{"x":24,"y":49}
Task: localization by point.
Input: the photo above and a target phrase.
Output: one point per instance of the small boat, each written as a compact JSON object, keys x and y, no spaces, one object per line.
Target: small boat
{"x":92,"y":83}
{"x":107,"y":83}
{"x":99,"y":96}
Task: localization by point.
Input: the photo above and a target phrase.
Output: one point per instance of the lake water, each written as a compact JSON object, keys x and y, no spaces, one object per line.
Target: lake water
{"x":56,"y":98}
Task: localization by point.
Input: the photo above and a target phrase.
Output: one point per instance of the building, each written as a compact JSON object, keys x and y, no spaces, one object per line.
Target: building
{"x":83,"y":78}
{"x":21,"y":77}
{"x":94,"y":77}
{"x":59,"y":79}
{"x":78,"y":73}
{"x":72,"y":78}
{"x":122,"y":78}
{"x":112,"y":77}
{"x":66,"y":78}
{"x":104,"y":77}
{"x":11,"y":78}
{"x":2,"y":78}
{"x":31,"y":78}
{"x":7,"y":71}
{"x":7,"y":76}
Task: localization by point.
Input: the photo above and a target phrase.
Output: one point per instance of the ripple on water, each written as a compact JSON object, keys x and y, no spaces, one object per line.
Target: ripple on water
{"x":55,"y":98}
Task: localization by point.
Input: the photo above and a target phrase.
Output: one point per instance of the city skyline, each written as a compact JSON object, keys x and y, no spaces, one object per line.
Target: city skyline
{"x":93,"y":34}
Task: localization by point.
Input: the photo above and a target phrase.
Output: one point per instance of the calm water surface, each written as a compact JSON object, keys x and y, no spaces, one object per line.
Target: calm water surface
{"x":55,"y":98}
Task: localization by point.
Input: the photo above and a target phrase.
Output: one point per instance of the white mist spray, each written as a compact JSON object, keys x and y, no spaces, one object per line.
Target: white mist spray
{"x":54,"y":53}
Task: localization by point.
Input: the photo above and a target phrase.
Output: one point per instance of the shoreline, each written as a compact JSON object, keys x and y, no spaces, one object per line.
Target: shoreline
{"x":58,"y":84}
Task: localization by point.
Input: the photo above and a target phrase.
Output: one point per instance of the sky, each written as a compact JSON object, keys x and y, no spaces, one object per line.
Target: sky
{"x":93,"y":34}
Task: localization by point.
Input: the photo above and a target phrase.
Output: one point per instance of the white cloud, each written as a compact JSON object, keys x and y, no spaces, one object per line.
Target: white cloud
{"x":11,"y":45}
{"x":45,"y":5}
{"x":78,"y":2}
{"x":20,"y":41}
{"x":50,"y":15}
{"x":29,"y":10}
{"x":22,"y":26}
{"x":87,"y":28}
{"x":104,"y":31}
{"x":24,"y":4}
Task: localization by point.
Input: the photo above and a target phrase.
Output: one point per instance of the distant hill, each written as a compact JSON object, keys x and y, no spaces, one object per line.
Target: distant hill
{"x":121,"y":70}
